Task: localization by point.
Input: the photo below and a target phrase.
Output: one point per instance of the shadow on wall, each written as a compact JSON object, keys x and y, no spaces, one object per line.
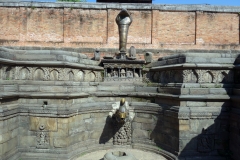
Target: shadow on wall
{"x":208,"y":138}
{"x":108,"y":132}
{"x":204,"y":134}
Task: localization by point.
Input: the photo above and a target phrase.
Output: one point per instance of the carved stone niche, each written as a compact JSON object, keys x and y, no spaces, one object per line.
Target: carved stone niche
{"x":122,"y":70}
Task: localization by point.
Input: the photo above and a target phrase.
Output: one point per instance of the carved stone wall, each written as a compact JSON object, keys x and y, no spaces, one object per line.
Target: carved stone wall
{"x":49,"y":74}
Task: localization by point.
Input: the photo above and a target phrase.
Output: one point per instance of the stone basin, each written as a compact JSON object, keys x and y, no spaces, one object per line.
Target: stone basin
{"x":119,"y":155}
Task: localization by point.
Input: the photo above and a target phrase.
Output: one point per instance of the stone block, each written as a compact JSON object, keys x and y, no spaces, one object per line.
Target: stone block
{"x":10,"y":88}
{"x":196,"y":104}
{"x":146,"y":89}
{"x":63,"y":120}
{"x":208,"y":85}
{"x":108,"y":88}
{"x":60,"y":142}
{"x":184,"y":127}
{"x":191,"y":85}
{"x":141,"y":134}
{"x":55,"y":89}
{"x":136,"y":125}
{"x":27,"y":141}
{"x":188,"y":144}
{"x":184,"y":91}
{"x":184,"y":122}
{"x":28,"y":88}
{"x":5,"y":137}
{"x":144,"y":115}
{"x":1,"y":150}
{"x":99,"y":115}
{"x":220,"y":91}
{"x":218,"y":104}
{"x":12,"y":144}
{"x":197,"y":125}
{"x":75,"y":130}
{"x":43,"y":123}
{"x":80,"y":137}
{"x":143,"y":120}
{"x":89,"y":89}
{"x":14,"y":133}
{"x":127,"y":88}
{"x":198,"y":91}
{"x":148,"y":127}
{"x":96,"y":134}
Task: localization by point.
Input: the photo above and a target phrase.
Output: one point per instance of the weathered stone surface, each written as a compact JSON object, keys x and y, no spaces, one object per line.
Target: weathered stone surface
{"x":138,"y":133}
{"x":196,"y":126}
{"x":40,"y":123}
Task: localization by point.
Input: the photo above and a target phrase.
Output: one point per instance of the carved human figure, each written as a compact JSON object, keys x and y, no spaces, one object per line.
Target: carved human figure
{"x":129,"y":73}
{"x":115,"y":73}
{"x":136,"y":74}
{"x":123,"y":73}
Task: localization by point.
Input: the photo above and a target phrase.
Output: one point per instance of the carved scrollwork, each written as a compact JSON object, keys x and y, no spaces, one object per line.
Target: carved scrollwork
{"x":46,"y":75}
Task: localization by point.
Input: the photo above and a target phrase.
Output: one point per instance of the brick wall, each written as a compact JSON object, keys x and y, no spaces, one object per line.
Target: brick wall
{"x":85,"y":25}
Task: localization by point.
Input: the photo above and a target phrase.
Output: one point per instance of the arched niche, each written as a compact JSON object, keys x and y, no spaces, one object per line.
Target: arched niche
{"x":38,"y":74}
{"x":79,"y":76}
{"x":24,"y":73}
{"x":70,"y":76}
{"x":207,"y":77}
{"x":54,"y":75}
{"x":9,"y":73}
{"x":90,"y":77}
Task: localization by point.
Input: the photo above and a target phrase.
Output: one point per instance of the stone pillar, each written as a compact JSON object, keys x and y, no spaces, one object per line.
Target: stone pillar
{"x":119,"y":69}
{"x":105,"y":72}
{"x":133,"y":72}
{"x":140,"y":72}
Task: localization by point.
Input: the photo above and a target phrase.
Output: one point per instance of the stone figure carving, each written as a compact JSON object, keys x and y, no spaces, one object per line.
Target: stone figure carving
{"x":123,"y":73}
{"x":123,"y":21}
{"x":148,"y":57}
{"x":115,"y":73}
{"x":129,"y":74}
{"x":122,"y":117}
{"x":97,"y":55}
{"x":132,"y":53}
{"x":42,"y":140}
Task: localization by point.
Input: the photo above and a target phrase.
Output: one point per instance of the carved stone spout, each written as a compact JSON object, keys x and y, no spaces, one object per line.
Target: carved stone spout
{"x":123,"y":21}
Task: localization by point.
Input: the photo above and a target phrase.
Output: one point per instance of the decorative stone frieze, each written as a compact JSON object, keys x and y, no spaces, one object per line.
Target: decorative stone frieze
{"x":49,"y":74}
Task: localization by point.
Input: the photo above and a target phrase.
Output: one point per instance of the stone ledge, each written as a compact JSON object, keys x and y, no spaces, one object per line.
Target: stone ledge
{"x":139,"y":6}
{"x":193,"y":66}
{"x":50,"y":63}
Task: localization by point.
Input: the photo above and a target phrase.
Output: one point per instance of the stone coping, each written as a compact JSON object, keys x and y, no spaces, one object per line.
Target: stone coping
{"x":139,"y":6}
{"x":156,"y":52}
{"x":111,"y":94}
{"x":125,"y":61}
{"x":49,"y":63}
{"x":193,"y":66}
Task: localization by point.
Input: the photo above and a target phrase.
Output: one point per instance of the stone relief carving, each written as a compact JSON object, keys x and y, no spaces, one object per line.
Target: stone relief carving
{"x":48,"y":74}
{"x":42,"y":140}
{"x":192,"y":76}
{"x":123,"y":130}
